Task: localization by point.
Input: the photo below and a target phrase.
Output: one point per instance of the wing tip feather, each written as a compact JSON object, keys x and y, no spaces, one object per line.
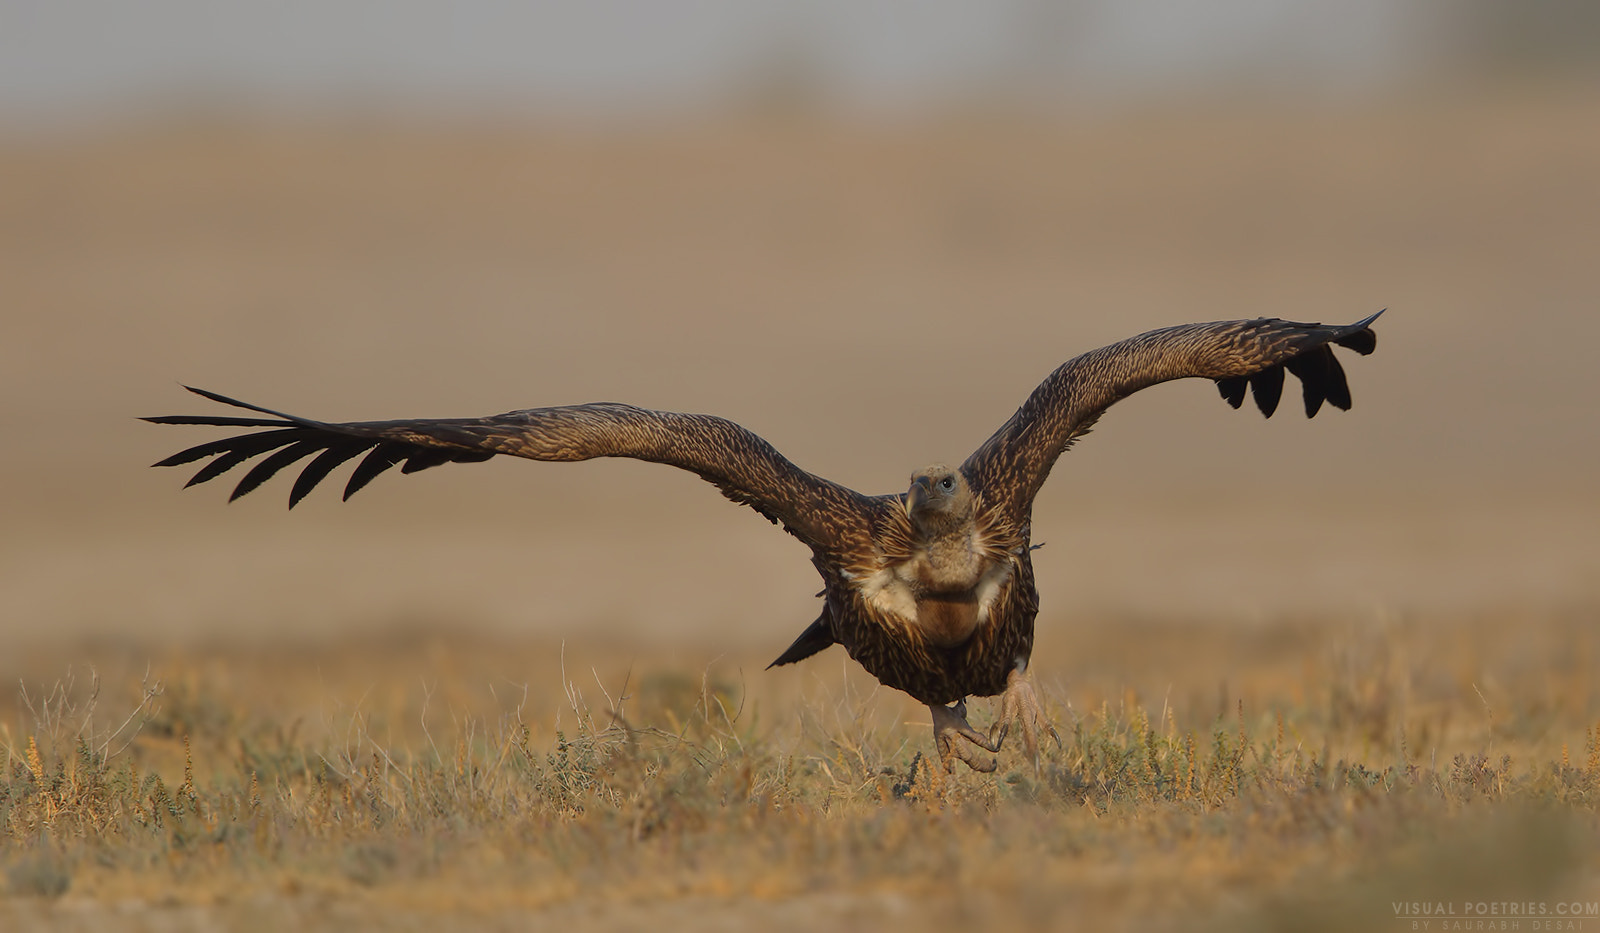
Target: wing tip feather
{"x":1232,"y":390}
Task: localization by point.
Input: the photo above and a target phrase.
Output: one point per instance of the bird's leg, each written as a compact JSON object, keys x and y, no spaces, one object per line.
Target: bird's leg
{"x":1019,"y":703}
{"x":951,"y":735}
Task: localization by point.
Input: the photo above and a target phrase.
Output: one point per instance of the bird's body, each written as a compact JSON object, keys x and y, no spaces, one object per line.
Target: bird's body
{"x":931,"y":590}
{"x":942,"y":610}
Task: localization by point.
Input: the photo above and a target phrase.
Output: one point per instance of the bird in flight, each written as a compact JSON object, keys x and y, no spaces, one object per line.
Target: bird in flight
{"x":931,"y":590}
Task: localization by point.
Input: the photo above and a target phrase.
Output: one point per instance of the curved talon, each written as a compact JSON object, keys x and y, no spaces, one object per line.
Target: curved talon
{"x":965,"y":730}
{"x":950,"y":726}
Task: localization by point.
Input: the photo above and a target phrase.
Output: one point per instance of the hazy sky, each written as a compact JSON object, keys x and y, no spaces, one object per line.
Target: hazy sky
{"x":76,"y":58}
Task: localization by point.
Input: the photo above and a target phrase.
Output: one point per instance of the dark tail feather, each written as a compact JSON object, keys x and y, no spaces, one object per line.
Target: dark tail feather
{"x":815,"y":638}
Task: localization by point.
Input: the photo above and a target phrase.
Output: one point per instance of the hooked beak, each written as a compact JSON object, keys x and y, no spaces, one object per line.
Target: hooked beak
{"x":917,"y":497}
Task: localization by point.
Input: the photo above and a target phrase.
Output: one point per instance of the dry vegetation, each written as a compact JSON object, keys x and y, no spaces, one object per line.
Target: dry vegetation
{"x":1408,"y":760}
{"x":222,"y":721}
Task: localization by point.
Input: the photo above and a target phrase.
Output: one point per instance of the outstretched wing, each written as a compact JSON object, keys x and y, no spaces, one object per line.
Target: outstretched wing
{"x":828,"y":517}
{"x":1011,"y":466}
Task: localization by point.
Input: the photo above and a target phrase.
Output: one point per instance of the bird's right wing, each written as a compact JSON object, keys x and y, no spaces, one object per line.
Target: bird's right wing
{"x":1011,"y":466}
{"x":825,"y":515}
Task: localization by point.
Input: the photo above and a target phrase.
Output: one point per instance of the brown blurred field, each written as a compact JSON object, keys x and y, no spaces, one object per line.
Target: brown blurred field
{"x":870,"y":298}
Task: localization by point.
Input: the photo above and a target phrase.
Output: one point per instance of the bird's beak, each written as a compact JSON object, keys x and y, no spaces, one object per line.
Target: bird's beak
{"x":918,"y":496}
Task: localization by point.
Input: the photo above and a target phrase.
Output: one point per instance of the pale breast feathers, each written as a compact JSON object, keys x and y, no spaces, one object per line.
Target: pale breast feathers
{"x":904,"y":590}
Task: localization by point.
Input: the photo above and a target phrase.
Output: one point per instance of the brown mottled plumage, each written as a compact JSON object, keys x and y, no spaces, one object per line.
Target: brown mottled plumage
{"x":930,"y":590}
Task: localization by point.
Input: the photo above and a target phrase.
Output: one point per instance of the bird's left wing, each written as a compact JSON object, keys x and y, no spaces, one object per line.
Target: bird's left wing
{"x":1011,"y":466}
{"x":827,"y":516}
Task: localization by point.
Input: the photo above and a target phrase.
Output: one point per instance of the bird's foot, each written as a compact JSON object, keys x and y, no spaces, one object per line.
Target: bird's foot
{"x":954,"y":737}
{"x":1020,"y":704}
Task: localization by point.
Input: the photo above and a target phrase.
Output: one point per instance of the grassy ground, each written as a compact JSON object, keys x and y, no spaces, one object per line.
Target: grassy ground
{"x":420,"y":782}
{"x":1252,"y":748}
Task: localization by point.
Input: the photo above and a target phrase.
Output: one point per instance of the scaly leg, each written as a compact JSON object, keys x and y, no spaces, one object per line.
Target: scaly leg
{"x":952,"y":732}
{"x":1019,"y":703}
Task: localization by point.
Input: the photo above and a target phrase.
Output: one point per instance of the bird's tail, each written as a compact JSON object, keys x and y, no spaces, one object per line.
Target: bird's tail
{"x":816,"y":637}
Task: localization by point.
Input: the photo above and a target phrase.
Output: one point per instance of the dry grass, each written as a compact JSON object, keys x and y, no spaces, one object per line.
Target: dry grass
{"x":1414,"y":761}
{"x":1253,"y":749}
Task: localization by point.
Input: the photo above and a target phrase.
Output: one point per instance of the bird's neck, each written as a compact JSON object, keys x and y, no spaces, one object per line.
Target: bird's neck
{"x":950,"y":562}
{"x":930,"y":524}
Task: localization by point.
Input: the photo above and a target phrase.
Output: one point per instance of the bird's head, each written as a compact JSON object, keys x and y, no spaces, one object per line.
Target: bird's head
{"x":939,"y":499}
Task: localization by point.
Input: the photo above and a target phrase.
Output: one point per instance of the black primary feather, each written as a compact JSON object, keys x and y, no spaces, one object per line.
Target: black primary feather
{"x":1312,"y":372}
{"x":384,"y":456}
{"x":264,"y":470}
{"x":255,"y":443}
{"x":1338,"y":385}
{"x":221,"y":421}
{"x":219,"y":465}
{"x":1233,"y":389}
{"x":1267,"y":388}
{"x":317,"y":470}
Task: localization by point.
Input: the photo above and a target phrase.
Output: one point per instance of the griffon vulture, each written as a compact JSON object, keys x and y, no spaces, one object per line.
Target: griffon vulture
{"x":931,"y":590}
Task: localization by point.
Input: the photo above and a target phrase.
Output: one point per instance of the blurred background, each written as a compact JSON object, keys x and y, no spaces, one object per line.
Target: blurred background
{"x":864,"y":230}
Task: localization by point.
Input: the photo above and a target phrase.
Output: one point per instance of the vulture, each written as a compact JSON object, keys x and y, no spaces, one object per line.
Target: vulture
{"x":932,"y":589}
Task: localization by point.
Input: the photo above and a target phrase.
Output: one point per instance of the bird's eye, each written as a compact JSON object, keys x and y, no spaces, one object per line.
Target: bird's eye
{"x":947,"y":483}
